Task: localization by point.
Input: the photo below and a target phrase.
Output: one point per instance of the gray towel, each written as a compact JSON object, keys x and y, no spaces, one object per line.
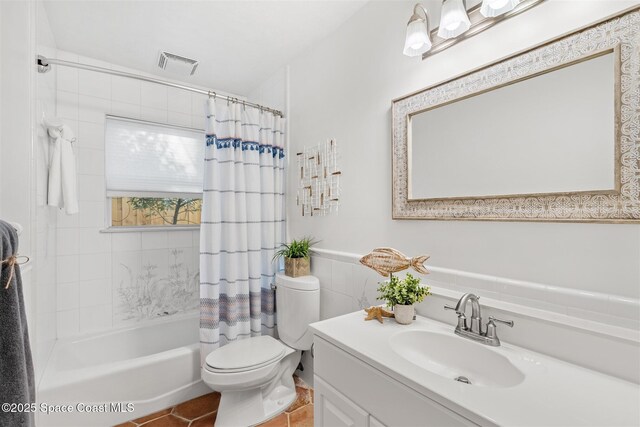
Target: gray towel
{"x":16,"y":367}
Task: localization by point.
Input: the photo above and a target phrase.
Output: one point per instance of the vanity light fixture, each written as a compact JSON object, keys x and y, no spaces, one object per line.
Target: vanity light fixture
{"x":458,"y":24}
{"x":417,"y":40}
{"x":454,"y":19}
{"x":492,"y":8}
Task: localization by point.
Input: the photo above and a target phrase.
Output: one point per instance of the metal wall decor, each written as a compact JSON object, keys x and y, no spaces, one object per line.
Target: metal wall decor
{"x":319,"y":187}
{"x":621,"y":205}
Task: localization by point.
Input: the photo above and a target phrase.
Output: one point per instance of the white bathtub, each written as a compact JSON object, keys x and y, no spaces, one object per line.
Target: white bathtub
{"x":153,"y":367}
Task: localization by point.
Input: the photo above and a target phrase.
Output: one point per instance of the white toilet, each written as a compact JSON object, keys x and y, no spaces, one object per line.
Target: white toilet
{"x":255,"y":375}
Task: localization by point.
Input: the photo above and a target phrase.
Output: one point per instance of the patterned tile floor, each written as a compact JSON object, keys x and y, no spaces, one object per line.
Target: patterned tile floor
{"x":202,"y":411}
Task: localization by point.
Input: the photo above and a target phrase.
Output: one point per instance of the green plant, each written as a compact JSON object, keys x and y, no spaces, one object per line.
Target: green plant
{"x":402,"y":292}
{"x":296,"y":249}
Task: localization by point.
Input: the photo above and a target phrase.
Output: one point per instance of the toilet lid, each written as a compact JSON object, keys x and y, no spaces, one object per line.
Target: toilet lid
{"x":246,"y":354}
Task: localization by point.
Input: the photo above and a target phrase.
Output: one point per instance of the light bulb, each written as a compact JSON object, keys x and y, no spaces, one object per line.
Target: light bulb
{"x":493,"y":8}
{"x":454,"y":20}
{"x":417,"y":40}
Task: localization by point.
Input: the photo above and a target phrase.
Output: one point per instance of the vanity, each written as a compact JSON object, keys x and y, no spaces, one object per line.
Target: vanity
{"x":423,"y":374}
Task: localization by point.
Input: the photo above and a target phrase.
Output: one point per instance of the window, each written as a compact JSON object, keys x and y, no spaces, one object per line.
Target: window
{"x":154,"y":173}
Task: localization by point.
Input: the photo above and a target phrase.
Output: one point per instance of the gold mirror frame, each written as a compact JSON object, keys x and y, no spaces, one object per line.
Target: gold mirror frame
{"x":620,"y":34}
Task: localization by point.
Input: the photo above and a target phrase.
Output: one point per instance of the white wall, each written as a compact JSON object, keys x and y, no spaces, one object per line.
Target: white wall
{"x":343,"y":86}
{"x":45,"y":216}
{"x":96,"y":269}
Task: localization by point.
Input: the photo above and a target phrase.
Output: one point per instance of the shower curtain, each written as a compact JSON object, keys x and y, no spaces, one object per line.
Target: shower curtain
{"x":242,"y":223}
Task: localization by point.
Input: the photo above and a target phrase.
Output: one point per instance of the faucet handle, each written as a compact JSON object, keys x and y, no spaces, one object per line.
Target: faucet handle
{"x":509,"y":323}
{"x":448,"y":307}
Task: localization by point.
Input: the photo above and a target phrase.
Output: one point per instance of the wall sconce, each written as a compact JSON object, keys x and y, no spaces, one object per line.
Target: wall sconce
{"x":453,"y":19}
{"x":458,"y":24}
{"x":417,"y":40}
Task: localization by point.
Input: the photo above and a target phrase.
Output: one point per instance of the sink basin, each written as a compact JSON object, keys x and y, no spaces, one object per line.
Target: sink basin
{"x":456,"y":358}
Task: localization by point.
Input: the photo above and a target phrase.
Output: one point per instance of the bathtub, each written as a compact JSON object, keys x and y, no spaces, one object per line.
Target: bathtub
{"x":144,"y":368}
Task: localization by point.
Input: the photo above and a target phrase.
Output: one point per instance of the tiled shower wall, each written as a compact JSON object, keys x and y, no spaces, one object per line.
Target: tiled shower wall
{"x":106,"y":280}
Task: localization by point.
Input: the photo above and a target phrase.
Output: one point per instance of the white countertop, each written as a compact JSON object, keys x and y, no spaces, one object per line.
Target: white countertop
{"x":553,"y":393}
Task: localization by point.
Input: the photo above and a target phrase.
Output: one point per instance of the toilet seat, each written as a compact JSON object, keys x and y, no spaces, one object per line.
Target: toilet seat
{"x":245,"y":355}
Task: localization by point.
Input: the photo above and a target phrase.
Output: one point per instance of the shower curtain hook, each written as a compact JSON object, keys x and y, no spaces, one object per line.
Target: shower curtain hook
{"x":244,"y":106}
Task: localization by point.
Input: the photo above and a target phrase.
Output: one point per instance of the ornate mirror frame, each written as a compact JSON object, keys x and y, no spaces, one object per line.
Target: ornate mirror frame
{"x":620,"y":34}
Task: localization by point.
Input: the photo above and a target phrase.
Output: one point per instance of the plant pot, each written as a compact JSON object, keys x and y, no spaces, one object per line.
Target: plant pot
{"x":295,"y":267}
{"x":404,"y":313}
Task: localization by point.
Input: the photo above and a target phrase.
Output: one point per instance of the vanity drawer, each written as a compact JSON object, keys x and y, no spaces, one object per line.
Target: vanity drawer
{"x":389,"y":401}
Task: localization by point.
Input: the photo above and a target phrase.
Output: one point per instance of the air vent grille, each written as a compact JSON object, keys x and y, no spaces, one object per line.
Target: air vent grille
{"x":177,"y":64}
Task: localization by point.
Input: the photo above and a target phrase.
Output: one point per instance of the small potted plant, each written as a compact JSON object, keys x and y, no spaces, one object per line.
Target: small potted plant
{"x":402,"y":295}
{"x":296,"y":257}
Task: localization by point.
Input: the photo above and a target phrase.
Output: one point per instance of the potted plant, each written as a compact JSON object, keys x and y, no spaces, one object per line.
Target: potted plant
{"x":402,"y":295}
{"x":296,"y":257}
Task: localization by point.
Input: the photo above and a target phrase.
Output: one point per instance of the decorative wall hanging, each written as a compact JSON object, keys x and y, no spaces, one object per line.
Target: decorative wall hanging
{"x":319,"y":187}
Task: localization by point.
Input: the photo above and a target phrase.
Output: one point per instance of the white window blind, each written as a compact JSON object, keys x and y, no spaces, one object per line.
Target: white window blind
{"x":147,"y":159}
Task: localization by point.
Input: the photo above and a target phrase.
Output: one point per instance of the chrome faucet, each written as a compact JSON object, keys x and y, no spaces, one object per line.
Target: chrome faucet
{"x":475,"y":332}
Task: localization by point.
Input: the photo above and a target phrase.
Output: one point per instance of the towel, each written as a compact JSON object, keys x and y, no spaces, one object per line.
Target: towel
{"x":63,"y":190}
{"x":16,"y":366}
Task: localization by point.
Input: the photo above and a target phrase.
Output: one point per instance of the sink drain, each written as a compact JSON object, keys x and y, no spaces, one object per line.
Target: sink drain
{"x":462,"y":380}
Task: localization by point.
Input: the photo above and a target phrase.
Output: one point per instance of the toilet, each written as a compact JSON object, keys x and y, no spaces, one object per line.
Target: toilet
{"x":255,"y":375}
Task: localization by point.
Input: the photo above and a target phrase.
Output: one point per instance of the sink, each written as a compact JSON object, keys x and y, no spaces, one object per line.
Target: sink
{"x":456,"y":358}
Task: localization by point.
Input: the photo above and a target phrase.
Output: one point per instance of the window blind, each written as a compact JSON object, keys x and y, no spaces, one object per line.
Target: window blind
{"x":146,"y":159}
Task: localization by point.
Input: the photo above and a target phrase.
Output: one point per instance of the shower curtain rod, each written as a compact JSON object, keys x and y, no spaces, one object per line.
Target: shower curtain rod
{"x":44,"y":65}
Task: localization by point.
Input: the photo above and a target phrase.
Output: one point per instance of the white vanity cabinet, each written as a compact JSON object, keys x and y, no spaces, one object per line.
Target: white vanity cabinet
{"x":351,"y":393}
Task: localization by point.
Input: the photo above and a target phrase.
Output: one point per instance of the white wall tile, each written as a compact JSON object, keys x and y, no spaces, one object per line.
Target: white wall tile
{"x":155,"y":261}
{"x":154,"y":95}
{"x":123,"y":109}
{"x":91,"y":188}
{"x":125,"y":90}
{"x":151,"y":114}
{"x":94,"y":266}
{"x":67,"y":296}
{"x":67,"y":79}
{"x":179,"y":119}
{"x":342,"y":277}
{"x":68,"y":267}
{"x":155,"y":240}
{"x":94,"y":292}
{"x":67,"y":241}
{"x":92,"y":109}
{"x":67,"y":105}
{"x":124,"y":268}
{"x":91,"y":213}
{"x":196,"y":239}
{"x":180,"y":239}
{"x":126,"y":242}
{"x":321,"y":268}
{"x":95,"y":84}
{"x":91,"y":135}
{"x":198,"y":104}
{"x":96,"y":318}
{"x":91,"y":240}
{"x":66,"y":221}
{"x":178,"y":100}
{"x":90,"y":161}
{"x":334,"y":304}
{"x":68,"y":323}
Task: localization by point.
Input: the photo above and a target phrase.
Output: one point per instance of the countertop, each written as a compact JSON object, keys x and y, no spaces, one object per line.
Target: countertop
{"x":553,"y":392}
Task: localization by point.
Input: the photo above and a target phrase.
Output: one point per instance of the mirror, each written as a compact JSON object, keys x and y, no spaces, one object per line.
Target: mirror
{"x":551,"y":133}
{"x":548,"y":134}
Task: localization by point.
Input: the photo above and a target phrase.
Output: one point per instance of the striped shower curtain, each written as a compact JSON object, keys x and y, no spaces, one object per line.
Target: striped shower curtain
{"x":242,"y":223}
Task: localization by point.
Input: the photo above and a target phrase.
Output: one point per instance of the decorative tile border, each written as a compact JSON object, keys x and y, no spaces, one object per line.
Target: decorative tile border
{"x":523,"y":296}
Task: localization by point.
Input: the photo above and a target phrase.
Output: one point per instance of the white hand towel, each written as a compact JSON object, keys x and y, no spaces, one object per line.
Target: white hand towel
{"x":63,"y":191}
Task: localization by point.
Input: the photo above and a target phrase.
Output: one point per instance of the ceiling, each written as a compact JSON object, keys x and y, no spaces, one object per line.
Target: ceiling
{"x":239,"y":43}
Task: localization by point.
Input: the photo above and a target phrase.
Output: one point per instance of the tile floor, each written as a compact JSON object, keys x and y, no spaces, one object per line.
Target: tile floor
{"x":201,"y":412}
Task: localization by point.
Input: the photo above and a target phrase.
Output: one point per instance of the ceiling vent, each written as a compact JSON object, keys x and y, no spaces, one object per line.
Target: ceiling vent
{"x":176,"y":64}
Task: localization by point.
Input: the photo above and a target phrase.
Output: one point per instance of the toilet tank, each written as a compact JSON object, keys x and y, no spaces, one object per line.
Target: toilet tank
{"x":297,"y":305}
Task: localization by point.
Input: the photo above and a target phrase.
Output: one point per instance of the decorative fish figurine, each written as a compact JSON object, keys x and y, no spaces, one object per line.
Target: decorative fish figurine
{"x":389,"y":260}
